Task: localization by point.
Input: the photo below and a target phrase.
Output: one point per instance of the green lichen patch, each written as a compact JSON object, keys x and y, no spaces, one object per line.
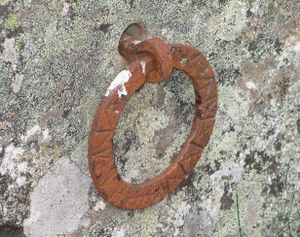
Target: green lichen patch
{"x":19,"y":45}
{"x":12,"y":22}
{"x":74,"y":6}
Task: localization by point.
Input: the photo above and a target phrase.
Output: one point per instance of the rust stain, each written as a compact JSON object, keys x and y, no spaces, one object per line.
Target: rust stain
{"x":151,"y":61}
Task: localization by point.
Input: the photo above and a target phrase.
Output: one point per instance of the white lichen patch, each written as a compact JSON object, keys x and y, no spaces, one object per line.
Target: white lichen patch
{"x":171,"y":221}
{"x":21,"y":164}
{"x":118,"y":232}
{"x":65,"y":9}
{"x":229,"y":171}
{"x":31,"y":132}
{"x":182,"y":210}
{"x":296,"y":47}
{"x":23,"y":167}
{"x":16,"y":165}
{"x":46,"y":136}
{"x":17,"y":82}
{"x":58,"y":202}
{"x":36,"y":130}
{"x":119,"y":82}
{"x":9,"y":163}
{"x":85,"y":222}
{"x":100,"y":205}
{"x":256,"y":10}
{"x":9,"y":53}
{"x":291,"y":51}
{"x":21,"y":180}
{"x":164,"y":31}
{"x":143,"y":65}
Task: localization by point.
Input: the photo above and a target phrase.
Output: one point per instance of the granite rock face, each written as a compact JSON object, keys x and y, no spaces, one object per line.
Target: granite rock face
{"x":58,"y":57}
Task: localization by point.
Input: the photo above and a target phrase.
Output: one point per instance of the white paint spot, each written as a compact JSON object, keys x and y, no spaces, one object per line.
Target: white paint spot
{"x":31,"y":132}
{"x":251,"y":86}
{"x":16,"y":83}
{"x":135,"y":42}
{"x":65,"y":9}
{"x":58,"y":202}
{"x":143,"y":65}
{"x":119,"y":81}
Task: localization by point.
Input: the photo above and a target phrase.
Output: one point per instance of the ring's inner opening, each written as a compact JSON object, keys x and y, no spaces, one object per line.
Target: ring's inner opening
{"x":154,"y":124}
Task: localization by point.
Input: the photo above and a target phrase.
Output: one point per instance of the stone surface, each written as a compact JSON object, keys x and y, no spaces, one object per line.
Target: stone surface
{"x":58,"y":57}
{"x":59,"y":201}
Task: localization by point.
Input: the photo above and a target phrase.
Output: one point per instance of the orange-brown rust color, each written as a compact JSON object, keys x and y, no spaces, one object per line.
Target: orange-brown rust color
{"x":160,"y":59}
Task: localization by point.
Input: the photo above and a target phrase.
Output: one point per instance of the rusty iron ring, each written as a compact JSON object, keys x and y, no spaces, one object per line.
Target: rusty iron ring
{"x":150,"y":61}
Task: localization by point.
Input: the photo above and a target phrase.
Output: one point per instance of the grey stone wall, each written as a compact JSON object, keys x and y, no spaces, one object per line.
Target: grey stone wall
{"x":57,"y":58}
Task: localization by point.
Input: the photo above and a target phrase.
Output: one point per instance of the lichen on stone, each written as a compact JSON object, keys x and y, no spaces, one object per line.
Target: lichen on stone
{"x":57,"y":58}
{"x":11,"y":22}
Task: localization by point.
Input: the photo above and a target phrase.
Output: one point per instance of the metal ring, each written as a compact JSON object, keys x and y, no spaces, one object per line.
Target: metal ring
{"x":101,"y":162}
